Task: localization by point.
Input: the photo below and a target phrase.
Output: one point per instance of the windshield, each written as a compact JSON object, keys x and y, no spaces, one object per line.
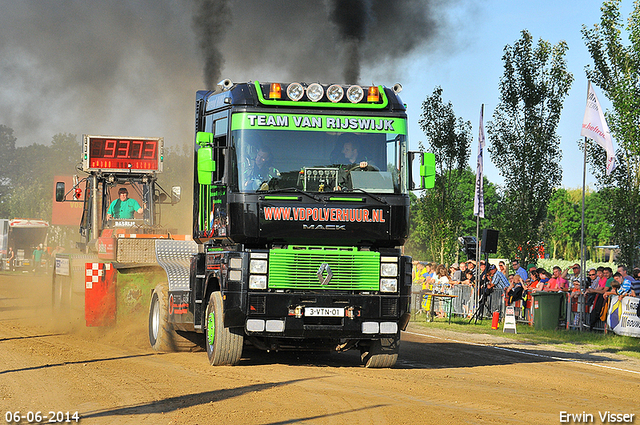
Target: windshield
{"x":319,"y":161}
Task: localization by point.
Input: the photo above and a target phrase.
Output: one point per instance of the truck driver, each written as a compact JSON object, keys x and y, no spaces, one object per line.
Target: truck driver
{"x":123,"y":207}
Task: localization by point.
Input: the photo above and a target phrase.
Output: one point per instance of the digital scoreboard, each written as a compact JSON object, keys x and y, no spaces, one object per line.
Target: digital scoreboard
{"x":118,"y":154}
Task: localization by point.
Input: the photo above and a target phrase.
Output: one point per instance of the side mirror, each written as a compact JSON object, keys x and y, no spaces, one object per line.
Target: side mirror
{"x":206,"y":162}
{"x":427,"y":170}
{"x":206,"y":165}
{"x":60,"y":191}
{"x":175,"y":194}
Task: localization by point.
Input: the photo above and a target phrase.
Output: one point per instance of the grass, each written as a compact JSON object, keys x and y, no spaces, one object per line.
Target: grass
{"x":567,"y":339}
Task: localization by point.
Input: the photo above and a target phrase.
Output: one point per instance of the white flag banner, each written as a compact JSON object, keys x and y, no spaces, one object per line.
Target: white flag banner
{"x":595,"y":127}
{"x":478,"y":200}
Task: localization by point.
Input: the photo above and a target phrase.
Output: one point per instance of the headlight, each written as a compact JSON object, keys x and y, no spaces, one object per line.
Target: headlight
{"x":389,"y":269}
{"x":335,"y":93}
{"x":258,"y":266}
{"x":295,"y":91}
{"x":388,"y":285}
{"x":235,"y":263}
{"x":315,"y":92}
{"x":355,"y":94}
{"x":257,"y":282}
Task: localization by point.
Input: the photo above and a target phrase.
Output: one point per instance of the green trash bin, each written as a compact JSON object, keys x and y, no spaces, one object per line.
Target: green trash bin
{"x":546,"y":309}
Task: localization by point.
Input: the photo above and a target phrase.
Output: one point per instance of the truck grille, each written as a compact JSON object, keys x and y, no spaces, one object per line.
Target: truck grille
{"x":296,"y":267}
{"x":389,"y":307}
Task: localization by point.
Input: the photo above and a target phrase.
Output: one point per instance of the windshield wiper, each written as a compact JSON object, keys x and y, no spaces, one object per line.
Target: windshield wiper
{"x":292,"y":189}
{"x":371,"y":195}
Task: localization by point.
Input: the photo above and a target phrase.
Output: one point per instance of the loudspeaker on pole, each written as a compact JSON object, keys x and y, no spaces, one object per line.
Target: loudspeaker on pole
{"x":489,"y":241}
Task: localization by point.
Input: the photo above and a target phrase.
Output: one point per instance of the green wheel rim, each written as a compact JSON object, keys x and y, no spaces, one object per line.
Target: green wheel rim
{"x":211,"y":328}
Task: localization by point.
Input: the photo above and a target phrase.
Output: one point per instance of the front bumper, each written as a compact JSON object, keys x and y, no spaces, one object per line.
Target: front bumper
{"x":283,"y":315}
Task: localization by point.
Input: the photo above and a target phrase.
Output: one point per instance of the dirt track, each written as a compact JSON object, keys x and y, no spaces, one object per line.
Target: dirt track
{"x":111,"y":376}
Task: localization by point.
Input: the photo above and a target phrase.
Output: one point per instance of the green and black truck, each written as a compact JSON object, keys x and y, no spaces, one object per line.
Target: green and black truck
{"x":301,"y":208}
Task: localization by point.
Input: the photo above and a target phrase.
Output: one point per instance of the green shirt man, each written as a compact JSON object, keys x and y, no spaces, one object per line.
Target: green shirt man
{"x":123,"y":207}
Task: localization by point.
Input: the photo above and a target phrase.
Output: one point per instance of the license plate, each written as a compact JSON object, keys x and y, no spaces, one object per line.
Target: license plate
{"x":324,"y":311}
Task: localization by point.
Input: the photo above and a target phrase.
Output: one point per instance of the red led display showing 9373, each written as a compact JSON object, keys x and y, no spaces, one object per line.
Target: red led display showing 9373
{"x":131,"y":154}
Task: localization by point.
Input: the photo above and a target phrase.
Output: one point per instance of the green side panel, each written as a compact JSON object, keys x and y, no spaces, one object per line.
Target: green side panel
{"x":204,"y":207}
{"x":209,"y":196}
{"x":296,"y":267}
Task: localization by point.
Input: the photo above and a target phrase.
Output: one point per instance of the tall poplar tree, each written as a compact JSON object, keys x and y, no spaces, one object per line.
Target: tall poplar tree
{"x":616,"y":71}
{"x":523,"y":142}
{"x":438,"y":211}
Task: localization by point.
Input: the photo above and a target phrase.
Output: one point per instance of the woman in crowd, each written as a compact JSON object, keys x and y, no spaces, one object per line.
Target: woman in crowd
{"x":515,"y":289}
{"x":444,"y":287}
{"x":543,"y":277}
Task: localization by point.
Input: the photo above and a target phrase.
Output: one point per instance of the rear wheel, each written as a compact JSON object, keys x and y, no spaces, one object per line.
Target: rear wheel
{"x":224,"y":345}
{"x":381,"y":353}
{"x":162,"y":336}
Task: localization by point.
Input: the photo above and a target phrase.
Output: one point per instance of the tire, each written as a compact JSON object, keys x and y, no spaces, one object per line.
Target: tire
{"x":224,"y":345}
{"x":381,"y":353}
{"x":60,"y":293}
{"x":162,"y":336}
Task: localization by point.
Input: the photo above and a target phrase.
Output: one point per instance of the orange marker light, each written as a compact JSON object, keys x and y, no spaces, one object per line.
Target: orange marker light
{"x":373,"y":95}
{"x":275,"y":92}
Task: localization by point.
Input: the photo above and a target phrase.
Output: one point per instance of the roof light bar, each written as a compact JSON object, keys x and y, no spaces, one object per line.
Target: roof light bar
{"x":271,"y":94}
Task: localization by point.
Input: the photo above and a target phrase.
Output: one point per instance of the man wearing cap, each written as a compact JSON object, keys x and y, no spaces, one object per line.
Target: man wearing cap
{"x":123,"y":207}
{"x":576,"y":273}
{"x":516,"y":268}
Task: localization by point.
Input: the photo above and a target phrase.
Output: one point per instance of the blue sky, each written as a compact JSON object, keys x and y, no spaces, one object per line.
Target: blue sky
{"x":469,"y":70}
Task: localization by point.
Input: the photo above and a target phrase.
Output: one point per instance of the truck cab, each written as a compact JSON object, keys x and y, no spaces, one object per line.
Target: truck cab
{"x":301,"y":208}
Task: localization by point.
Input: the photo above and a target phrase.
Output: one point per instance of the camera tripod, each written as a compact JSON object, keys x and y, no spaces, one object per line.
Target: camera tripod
{"x":484,"y":294}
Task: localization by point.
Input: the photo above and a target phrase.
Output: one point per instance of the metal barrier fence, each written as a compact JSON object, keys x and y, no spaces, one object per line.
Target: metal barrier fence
{"x":575,"y":313}
{"x":463,"y":304}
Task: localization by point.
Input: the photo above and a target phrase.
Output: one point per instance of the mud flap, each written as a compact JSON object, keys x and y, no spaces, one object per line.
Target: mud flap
{"x":175,"y":258}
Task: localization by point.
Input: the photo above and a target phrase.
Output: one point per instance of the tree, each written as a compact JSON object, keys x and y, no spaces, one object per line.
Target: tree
{"x":437,"y":212}
{"x":563,"y":224}
{"x":616,"y":71}
{"x":7,"y":152}
{"x":597,"y":222}
{"x":31,"y":179}
{"x":523,"y":140}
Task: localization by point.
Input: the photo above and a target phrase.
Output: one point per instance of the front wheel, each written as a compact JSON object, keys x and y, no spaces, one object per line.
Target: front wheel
{"x":224,"y":345}
{"x":381,"y":353}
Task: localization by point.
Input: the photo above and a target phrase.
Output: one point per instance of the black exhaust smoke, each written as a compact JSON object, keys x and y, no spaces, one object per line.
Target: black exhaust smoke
{"x":210,"y":22}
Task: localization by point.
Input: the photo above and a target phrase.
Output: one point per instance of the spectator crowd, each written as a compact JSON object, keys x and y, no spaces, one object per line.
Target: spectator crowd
{"x":518,"y":283}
